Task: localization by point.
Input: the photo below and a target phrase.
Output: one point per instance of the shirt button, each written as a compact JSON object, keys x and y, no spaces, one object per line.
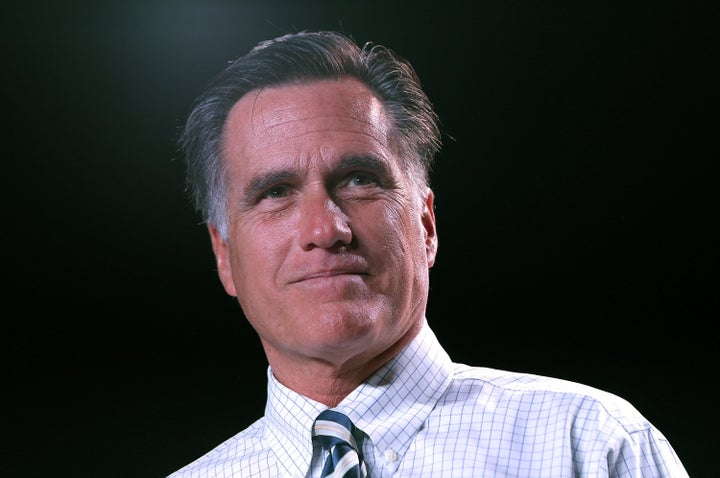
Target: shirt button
{"x":391,"y":455}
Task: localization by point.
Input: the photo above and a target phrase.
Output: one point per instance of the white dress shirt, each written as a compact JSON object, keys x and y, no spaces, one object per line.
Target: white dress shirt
{"x":425,"y":416}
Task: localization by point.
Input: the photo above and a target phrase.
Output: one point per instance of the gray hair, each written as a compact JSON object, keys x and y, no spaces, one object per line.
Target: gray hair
{"x":297,"y":58}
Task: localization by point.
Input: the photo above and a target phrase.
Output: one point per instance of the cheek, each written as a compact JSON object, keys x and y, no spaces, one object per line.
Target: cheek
{"x":399,"y":235}
{"x":405,"y":223}
{"x":255,"y":273}
{"x":254,"y":257}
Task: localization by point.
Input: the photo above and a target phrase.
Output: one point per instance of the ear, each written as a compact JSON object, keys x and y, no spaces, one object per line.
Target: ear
{"x":222,"y":259}
{"x":428,"y":221}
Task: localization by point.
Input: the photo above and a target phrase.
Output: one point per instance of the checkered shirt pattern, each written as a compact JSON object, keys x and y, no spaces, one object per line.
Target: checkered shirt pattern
{"x":425,"y":416}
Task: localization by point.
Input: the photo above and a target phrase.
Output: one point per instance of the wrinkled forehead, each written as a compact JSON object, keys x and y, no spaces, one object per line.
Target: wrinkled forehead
{"x":345,"y":100}
{"x":302,"y":116}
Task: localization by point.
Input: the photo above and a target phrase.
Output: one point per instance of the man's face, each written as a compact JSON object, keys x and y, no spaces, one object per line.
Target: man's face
{"x":329,"y":241}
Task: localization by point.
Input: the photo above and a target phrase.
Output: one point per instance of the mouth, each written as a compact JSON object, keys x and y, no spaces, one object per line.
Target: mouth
{"x":330,"y":274}
{"x":329,"y":270}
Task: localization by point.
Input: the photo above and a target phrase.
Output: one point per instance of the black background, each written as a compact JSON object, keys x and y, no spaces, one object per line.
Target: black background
{"x":575,"y":207}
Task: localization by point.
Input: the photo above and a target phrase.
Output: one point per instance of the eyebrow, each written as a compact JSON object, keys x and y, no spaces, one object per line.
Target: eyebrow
{"x":264,"y":181}
{"x":365,"y":161}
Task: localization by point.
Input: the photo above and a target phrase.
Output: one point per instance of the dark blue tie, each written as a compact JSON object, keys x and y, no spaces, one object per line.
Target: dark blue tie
{"x":336,"y":434}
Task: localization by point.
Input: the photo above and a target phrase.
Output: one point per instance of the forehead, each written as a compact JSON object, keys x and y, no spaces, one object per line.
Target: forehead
{"x":320,"y":118}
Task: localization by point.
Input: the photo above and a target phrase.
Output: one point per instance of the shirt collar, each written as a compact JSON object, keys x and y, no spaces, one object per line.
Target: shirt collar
{"x":390,"y":407}
{"x":290,"y":417}
{"x":393,"y":404}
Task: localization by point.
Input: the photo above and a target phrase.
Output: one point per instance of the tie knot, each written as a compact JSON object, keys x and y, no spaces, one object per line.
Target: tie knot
{"x":336,"y":433}
{"x":333,"y":427}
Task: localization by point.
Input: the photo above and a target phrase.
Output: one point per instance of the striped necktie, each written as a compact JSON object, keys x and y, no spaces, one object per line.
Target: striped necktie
{"x":336,"y":434}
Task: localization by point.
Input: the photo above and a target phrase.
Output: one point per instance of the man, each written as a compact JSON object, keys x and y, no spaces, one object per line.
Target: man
{"x":309,"y":160}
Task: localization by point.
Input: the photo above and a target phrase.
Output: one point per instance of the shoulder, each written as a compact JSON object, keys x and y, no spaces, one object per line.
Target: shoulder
{"x":553,"y":423}
{"x":544,"y":396}
{"x":246,"y":450}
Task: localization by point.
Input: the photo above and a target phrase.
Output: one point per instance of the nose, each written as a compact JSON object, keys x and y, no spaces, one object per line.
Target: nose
{"x":323,"y":223}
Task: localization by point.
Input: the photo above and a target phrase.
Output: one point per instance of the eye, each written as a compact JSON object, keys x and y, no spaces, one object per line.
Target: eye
{"x":361,"y":179}
{"x":275,"y":192}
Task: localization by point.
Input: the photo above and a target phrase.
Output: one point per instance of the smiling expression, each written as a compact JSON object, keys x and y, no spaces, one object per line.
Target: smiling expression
{"x":330,"y":239}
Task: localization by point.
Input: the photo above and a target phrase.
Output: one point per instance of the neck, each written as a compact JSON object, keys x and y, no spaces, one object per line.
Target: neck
{"x":330,"y":381}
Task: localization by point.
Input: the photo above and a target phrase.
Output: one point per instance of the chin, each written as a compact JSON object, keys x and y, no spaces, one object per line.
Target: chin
{"x":348,"y":327}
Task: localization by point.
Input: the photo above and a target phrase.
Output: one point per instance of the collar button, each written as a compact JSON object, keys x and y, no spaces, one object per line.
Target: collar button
{"x":390,"y":455}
